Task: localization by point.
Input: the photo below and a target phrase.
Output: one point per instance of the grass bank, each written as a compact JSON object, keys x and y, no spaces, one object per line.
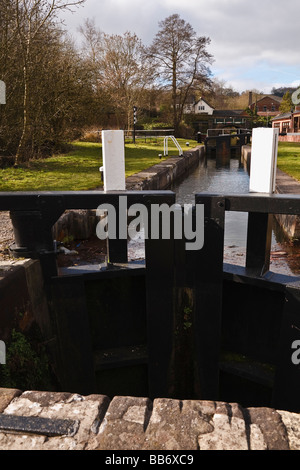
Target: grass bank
{"x":79,"y":169}
{"x":288,"y":159}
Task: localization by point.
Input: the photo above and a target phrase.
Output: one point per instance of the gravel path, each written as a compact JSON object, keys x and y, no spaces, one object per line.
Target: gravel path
{"x":6,"y":234}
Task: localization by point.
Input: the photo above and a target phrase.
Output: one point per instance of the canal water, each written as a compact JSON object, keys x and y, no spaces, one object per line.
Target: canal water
{"x":211,"y":176}
{"x":216,"y":178}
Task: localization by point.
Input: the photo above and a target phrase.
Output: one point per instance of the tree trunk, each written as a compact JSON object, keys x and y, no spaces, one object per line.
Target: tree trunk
{"x":174,"y":99}
{"x":19,"y":153}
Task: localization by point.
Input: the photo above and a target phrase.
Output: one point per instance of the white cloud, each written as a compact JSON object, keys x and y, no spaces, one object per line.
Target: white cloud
{"x":244,"y":35}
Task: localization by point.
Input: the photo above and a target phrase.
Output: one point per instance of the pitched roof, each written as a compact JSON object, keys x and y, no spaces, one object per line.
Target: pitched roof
{"x":273,"y":97}
{"x":202,"y":99}
{"x":281,"y":116}
{"x":227,"y":112}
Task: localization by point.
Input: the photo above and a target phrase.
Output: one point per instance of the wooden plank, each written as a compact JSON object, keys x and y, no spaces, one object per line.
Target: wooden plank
{"x":75,"y":358}
{"x":208,"y":284}
{"x":159,"y":288}
{"x":287,"y":378}
{"x":259,"y":237}
{"x":120,"y":357}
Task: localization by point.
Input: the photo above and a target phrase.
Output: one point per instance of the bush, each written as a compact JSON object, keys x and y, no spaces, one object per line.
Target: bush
{"x":186,"y":131}
{"x":26,"y":365}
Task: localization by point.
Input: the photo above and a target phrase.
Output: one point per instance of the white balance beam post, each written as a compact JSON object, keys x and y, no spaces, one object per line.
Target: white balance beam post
{"x":113,"y":154}
{"x":262,"y":180}
{"x":263,"y":160}
{"x":2,"y":92}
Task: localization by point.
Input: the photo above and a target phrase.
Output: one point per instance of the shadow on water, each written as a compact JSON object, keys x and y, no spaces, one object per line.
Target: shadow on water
{"x":229,"y":176}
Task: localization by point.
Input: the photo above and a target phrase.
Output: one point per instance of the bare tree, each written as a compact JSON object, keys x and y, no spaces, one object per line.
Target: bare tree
{"x":11,"y":74}
{"x":222,"y":96}
{"x":124,"y":73}
{"x":181,"y":59}
{"x":92,"y":52}
{"x":120,"y":71}
{"x":31,"y":17}
{"x":93,"y":39}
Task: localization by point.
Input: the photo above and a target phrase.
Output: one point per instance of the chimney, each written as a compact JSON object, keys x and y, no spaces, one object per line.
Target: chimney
{"x":250,"y":98}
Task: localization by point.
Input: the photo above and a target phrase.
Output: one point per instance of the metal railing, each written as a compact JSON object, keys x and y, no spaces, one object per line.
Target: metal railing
{"x":216,"y":132}
{"x":166,"y":148}
{"x":150,"y":134}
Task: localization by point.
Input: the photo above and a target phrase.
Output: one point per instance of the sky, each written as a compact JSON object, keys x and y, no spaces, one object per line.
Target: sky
{"x":255,"y":44}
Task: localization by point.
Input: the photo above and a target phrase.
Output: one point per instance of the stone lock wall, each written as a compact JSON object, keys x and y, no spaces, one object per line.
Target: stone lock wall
{"x":33,"y":420}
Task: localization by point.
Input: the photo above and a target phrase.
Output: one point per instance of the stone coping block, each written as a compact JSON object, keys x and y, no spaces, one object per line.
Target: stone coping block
{"x":162,"y":175}
{"x":138,"y":423}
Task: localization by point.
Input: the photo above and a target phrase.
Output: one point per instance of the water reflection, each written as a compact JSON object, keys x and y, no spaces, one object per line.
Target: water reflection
{"x":218,"y":177}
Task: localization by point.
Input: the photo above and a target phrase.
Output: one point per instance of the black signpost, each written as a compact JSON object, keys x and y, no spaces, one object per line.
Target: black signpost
{"x":134,"y":122}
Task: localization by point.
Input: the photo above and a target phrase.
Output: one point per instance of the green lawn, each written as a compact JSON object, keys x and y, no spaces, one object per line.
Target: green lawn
{"x":79,"y":169}
{"x":289,"y":158}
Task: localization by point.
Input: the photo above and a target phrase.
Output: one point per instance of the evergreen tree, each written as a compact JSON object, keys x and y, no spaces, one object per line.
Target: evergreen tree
{"x":287,"y":104}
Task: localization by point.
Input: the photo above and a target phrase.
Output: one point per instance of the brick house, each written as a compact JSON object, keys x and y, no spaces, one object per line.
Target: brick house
{"x":268,"y":105}
{"x":288,"y":125}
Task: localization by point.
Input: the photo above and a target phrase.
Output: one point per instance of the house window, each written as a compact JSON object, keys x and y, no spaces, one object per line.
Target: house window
{"x":201,"y":108}
{"x":265,"y":108}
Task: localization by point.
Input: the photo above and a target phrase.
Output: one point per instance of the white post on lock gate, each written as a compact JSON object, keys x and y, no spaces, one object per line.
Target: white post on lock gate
{"x":2,"y":92}
{"x":2,"y":353}
{"x":263,"y":160}
{"x":113,"y":154}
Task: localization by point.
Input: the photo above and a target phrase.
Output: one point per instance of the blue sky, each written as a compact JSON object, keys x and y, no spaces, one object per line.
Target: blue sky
{"x":255,"y":43}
